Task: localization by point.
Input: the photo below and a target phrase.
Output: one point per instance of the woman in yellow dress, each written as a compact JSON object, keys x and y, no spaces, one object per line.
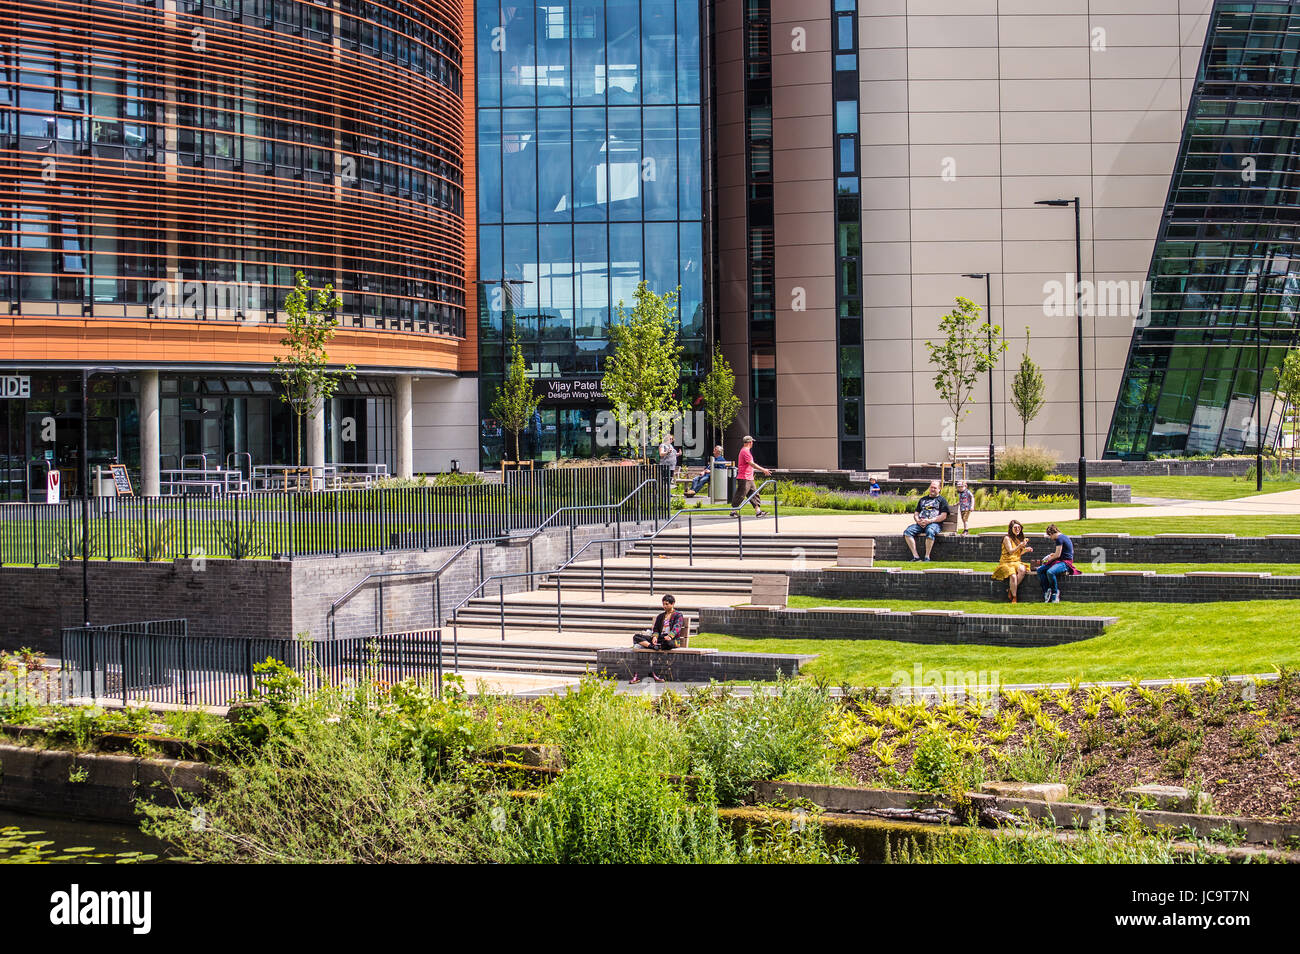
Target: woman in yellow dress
{"x":1010,"y":567}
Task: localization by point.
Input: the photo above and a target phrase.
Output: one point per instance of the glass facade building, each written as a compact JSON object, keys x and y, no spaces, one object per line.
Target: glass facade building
{"x":1224,"y":277}
{"x":590,"y":180}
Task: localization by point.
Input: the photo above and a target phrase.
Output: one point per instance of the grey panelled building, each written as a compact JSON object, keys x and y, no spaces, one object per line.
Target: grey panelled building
{"x":856,"y":158}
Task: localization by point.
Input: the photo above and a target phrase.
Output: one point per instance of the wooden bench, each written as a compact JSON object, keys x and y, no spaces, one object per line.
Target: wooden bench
{"x":769,"y":589}
{"x":855,"y":551}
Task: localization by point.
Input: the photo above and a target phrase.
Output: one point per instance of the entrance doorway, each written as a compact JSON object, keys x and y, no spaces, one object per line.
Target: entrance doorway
{"x":54,"y":442}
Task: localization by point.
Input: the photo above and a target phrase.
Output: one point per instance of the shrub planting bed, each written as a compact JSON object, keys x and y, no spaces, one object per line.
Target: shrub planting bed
{"x":1237,"y":742}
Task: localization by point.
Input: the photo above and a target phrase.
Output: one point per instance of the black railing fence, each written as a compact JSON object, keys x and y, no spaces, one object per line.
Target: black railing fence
{"x":362,"y":520}
{"x":157,"y":662}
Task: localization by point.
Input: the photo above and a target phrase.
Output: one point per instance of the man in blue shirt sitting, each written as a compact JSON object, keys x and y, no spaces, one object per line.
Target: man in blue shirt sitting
{"x":1060,"y":563}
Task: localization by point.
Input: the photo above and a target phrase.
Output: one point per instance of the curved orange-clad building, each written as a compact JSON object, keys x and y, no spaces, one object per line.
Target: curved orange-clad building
{"x":167,"y":166}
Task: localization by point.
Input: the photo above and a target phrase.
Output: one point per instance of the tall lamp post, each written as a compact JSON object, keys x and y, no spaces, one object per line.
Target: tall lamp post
{"x":988,"y":319}
{"x":1078,"y":314}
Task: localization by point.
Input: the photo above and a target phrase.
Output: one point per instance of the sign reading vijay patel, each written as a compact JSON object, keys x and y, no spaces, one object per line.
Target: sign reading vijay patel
{"x":573,"y":391}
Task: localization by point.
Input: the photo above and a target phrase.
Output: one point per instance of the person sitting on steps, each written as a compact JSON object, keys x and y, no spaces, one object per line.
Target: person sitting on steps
{"x":1010,"y":567}
{"x":931,"y":512}
{"x":665,"y":634}
{"x":1059,"y":564}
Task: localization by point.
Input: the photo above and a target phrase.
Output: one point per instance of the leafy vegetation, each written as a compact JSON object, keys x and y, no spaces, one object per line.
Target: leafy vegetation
{"x":1026,"y":463}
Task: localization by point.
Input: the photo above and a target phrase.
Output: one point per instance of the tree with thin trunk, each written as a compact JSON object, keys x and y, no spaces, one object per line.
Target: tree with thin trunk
{"x":718,"y":392}
{"x":962,"y":356}
{"x":1027,"y":391}
{"x":517,"y":400}
{"x":306,"y":381}
{"x":643,"y":369}
{"x":1288,"y":382}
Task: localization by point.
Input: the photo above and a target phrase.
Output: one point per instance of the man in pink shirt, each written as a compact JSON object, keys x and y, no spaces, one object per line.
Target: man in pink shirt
{"x":745,"y":478}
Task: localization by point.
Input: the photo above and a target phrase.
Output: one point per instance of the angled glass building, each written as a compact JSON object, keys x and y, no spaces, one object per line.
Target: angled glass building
{"x":1224,"y":275}
{"x":590,"y":179}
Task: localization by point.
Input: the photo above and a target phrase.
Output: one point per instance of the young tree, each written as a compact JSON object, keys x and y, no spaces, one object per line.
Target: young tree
{"x":962,"y":356}
{"x":1027,"y":389}
{"x":1288,"y":382}
{"x":516,"y":401}
{"x":718,"y":392}
{"x":305,"y":379}
{"x":643,"y":369}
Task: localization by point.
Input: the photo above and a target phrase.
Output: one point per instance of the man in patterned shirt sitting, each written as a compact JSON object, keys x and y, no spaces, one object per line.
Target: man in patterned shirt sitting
{"x":665,"y":634}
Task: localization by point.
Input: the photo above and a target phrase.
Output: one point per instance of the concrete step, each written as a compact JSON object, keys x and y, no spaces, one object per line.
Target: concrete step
{"x":520,"y":657}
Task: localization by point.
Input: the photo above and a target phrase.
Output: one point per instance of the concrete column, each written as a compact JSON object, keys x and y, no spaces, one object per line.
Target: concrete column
{"x":315,"y":427}
{"x":150,"y":435}
{"x":405,"y":427}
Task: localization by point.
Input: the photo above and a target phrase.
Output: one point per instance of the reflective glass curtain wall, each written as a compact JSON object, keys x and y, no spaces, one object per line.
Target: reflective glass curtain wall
{"x":590,"y":180}
{"x":848,"y":238}
{"x":760,"y":227}
{"x":1225,"y":259}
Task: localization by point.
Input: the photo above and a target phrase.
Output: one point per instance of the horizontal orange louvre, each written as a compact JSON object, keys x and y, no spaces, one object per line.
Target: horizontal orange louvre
{"x":199,"y":200}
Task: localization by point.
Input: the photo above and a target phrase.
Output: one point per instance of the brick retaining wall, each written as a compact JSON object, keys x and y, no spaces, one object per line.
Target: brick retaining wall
{"x":918,"y":627}
{"x":882,"y":583}
{"x":1115,"y":547}
{"x":699,"y":667}
{"x":269,"y":598}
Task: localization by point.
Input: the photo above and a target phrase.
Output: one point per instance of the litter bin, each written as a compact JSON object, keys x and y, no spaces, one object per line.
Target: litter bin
{"x":720,"y":486}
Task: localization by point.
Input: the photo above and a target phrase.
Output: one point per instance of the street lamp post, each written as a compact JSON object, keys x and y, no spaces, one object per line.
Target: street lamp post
{"x":988,"y":322}
{"x":1078,"y":314}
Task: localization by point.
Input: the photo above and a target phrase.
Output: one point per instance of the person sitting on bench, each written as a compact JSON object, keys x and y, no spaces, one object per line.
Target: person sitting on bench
{"x":927,"y":521}
{"x":702,"y":479}
{"x":665,"y":634}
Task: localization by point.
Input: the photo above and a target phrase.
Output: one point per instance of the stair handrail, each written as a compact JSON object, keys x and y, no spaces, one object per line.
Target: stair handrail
{"x":502,"y":577}
{"x":436,"y":574}
{"x":649,"y":481}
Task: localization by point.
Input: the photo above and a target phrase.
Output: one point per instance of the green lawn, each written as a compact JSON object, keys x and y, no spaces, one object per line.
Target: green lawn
{"x":1246,"y":525}
{"x":1150,"y":641}
{"x":1201,"y":488}
{"x":1277,"y":569}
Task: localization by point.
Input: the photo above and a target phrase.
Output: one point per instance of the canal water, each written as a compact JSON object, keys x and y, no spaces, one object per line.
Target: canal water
{"x":33,"y":839}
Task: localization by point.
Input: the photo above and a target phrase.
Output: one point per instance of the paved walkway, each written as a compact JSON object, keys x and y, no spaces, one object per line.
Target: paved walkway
{"x":1284,"y":504}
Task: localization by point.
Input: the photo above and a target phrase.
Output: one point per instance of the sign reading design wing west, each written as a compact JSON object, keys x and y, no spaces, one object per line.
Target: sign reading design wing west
{"x":573,"y":391}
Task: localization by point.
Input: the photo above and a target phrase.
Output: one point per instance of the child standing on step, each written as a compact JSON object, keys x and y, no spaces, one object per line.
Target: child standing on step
{"x":965,"y":504}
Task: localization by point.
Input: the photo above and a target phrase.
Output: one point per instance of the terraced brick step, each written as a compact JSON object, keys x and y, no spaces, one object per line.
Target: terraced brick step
{"x":520,"y":657}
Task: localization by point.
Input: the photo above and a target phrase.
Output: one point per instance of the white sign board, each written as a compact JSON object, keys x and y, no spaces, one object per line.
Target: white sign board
{"x":52,"y":485}
{"x":15,"y":386}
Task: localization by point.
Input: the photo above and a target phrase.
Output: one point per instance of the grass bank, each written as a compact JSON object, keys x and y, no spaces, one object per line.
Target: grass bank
{"x":1150,"y":641}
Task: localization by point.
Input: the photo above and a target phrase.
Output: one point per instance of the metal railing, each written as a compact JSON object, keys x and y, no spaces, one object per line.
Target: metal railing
{"x":288,"y":524}
{"x":437,"y":573}
{"x":157,"y":662}
{"x":501,"y":578}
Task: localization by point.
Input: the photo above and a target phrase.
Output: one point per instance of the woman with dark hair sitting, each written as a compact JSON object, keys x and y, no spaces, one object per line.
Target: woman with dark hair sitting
{"x":1010,"y":567}
{"x":665,"y":634}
